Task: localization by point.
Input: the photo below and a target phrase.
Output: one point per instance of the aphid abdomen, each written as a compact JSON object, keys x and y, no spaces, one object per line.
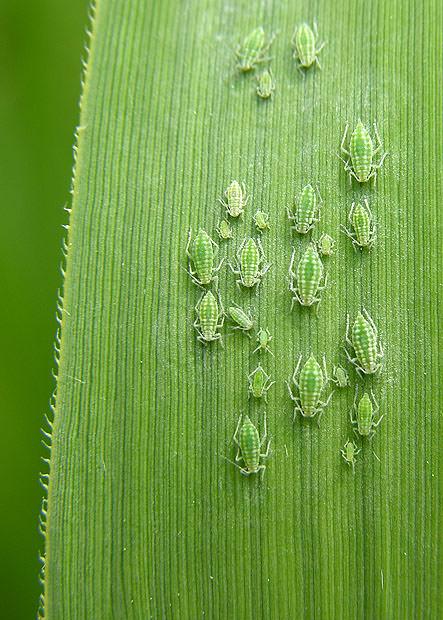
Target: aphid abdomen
{"x":365,"y":344}
{"x":309,"y":273}
{"x":249,"y":441}
{"x":203,"y":257}
{"x":364,"y":415}
{"x":310,"y":385}
{"x":305,"y":213}
{"x":250,"y":259}
{"x":362,"y":152}
{"x":362,"y":225}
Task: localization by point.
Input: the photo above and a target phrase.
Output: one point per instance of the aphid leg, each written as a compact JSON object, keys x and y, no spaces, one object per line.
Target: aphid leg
{"x":379,"y":144}
{"x":342,"y":144}
{"x":265,"y":431}
{"x":325,"y":370}
{"x":242,"y":470}
{"x":188,"y":254}
{"x":234,"y":437}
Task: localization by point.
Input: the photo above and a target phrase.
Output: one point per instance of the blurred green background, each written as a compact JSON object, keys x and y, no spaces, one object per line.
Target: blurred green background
{"x":41,"y":45}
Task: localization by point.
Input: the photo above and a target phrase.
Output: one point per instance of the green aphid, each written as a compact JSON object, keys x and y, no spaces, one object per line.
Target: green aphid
{"x":363,"y":338}
{"x":265,"y":84}
{"x":349,"y":452}
{"x":361,"y":219}
{"x":310,"y":382}
{"x":340,"y":377}
{"x":250,"y":263}
{"x":259,"y":383}
{"x":304,"y":42}
{"x":202,"y":255}
{"x":261,"y":220}
{"x":210,"y":318}
{"x":360,"y":163}
{"x":306,"y":283}
{"x":224,"y":230}
{"x":253,"y":50}
{"x":235,"y":199}
{"x":249,"y":445}
{"x":365,"y":412}
{"x":307,"y":210}
{"x":263,"y":338}
{"x":326,"y":245}
{"x":243,"y":320}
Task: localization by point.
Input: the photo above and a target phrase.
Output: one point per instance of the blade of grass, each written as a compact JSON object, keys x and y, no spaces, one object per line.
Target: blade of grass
{"x":144,"y":517}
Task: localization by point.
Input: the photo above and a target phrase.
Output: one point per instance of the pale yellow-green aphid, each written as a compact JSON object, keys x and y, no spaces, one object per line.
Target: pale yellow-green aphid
{"x":310,"y":382}
{"x":360,"y":163}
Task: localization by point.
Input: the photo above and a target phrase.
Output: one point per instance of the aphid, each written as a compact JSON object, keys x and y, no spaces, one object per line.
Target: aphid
{"x":263,"y":338}
{"x":310,"y":385}
{"x":251,"y":263}
{"x":363,"y":338}
{"x":360,"y":164}
{"x":349,"y":452}
{"x":305,"y":46}
{"x":307,"y":278}
{"x":236,"y":199}
{"x":365,"y":411}
{"x":362,"y":221}
{"x":326,"y":245}
{"x":261,"y":220}
{"x":224,"y":230}
{"x":203,"y":254}
{"x":307,"y":210}
{"x":259,"y":383}
{"x":210,"y":318}
{"x":249,"y":445}
{"x":244,"y":321}
{"x":266,"y":84}
{"x":340,"y":377}
{"x":253,"y":50}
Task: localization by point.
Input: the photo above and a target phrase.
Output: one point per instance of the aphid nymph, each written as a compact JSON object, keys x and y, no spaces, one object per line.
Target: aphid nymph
{"x":307,"y":210}
{"x":243,"y":320}
{"x":263,"y":338}
{"x":265,"y":84}
{"x":349,"y":452}
{"x":325,"y":245}
{"x":306,"y":48}
{"x":249,"y":445}
{"x":202,"y":255}
{"x":340,"y":377}
{"x":361,"y":219}
{"x":363,"y":338}
{"x":259,"y":383}
{"x":306,"y":283}
{"x":209,"y":318}
{"x":365,"y":412}
{"x":310,"y":382}
{"x":360,"y":163}
{"x":261,"y":220}
{"x":235,"y":199}
{"x":224,"y":230}
{"x":253,"y":50}
{"x":250,"y":263}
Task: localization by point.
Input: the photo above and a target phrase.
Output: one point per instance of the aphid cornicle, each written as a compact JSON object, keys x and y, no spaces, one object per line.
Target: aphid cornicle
{"x":305,"y":46}
{"x":340,"y":377}
{"x":365,"y":411}
{"x":202,"y":255}
{"x":224,"y":230}
{"x":307,"y":210}
{"x":261,"y":220}
{"x":263,"y":338}
{"x":349,"y":452}
{"x":259,"y":383}
{"x":265,"y":84}
{"x":362,"y":221}
{"x":251,"y":263}
{"x":310,"y":385}
{"x":249,"y":445}
{"x":210,"y":318}
{"x":243,"y":320}
{"x":253,"y":50}
{"x":235,"y":199}
{"x":305,"y":284}
{"x":360,"y":163}
{"x":325,"y":245}
{"x":363,"y":338}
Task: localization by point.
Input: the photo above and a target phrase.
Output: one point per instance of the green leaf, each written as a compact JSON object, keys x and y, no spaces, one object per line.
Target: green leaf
{"x":145,"y":517}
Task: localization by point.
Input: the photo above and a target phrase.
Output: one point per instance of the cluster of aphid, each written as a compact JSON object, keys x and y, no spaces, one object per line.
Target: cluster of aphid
{"x":307,"y":279}
{"x":255,"y":47}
